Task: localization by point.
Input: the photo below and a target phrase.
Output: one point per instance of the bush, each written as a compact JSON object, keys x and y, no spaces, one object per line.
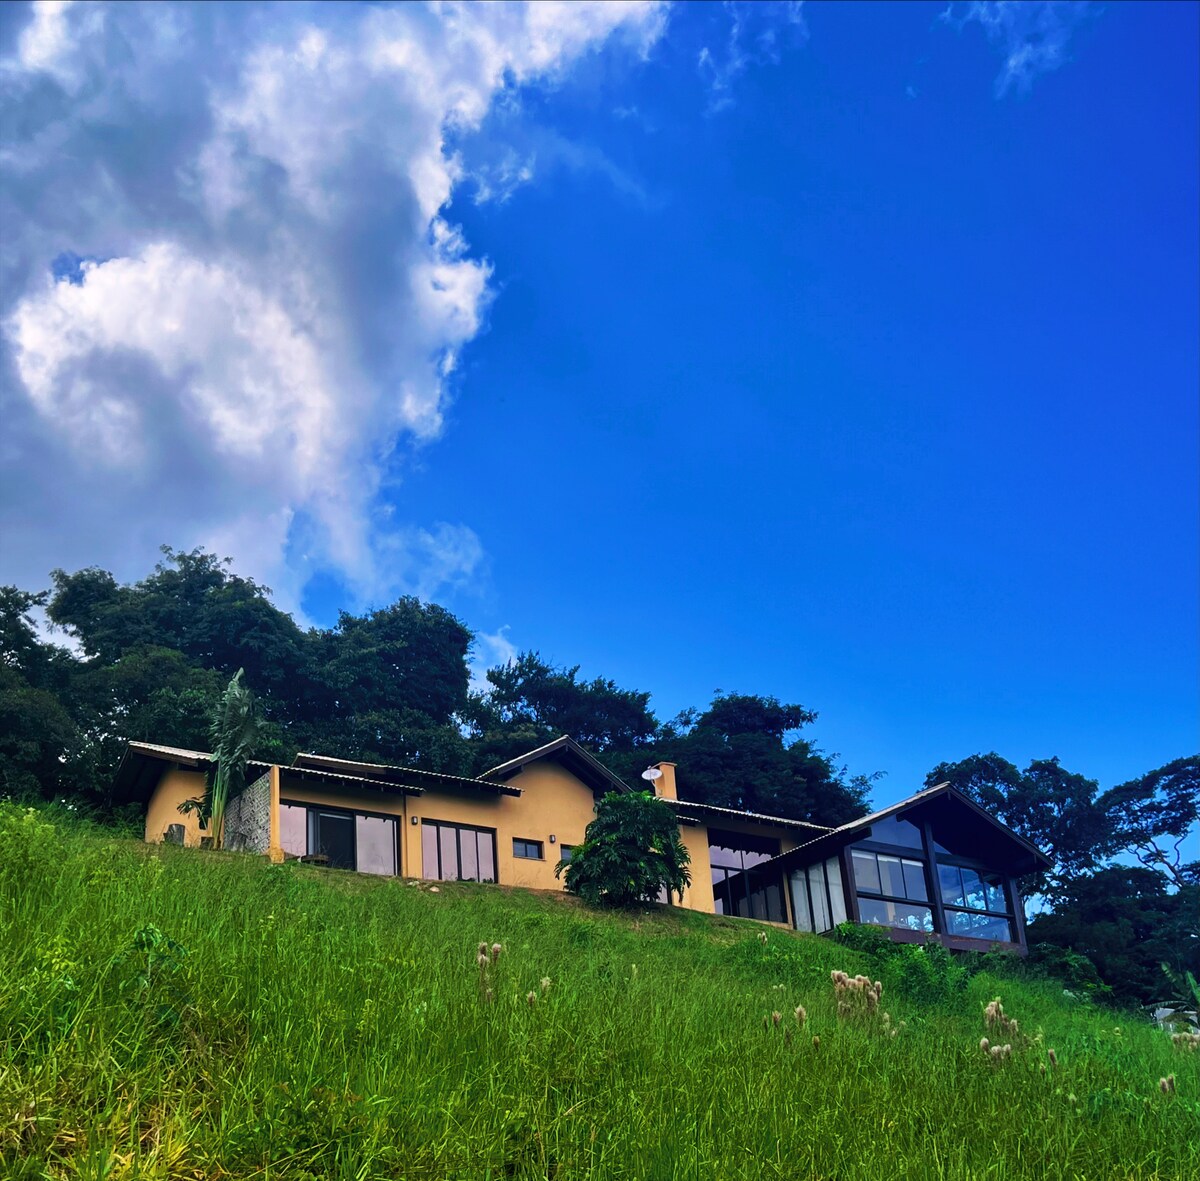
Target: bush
{"x":630,"y":852}
{"x":927,"y":974}
{"x":1072,"y":969}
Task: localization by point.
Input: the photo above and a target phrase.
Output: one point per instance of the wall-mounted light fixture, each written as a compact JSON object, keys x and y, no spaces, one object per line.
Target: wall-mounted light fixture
{"x":552,"y":838}
{"x":416,"y":820}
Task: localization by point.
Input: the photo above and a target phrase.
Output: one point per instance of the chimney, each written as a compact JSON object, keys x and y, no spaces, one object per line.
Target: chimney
{"x":665,"y":786}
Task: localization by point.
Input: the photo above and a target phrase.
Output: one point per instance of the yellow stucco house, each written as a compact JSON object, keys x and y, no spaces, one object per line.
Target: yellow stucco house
{"x":934,"y":865}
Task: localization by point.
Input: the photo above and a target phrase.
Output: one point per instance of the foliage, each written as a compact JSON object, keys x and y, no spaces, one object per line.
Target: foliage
{"x":1157,"y":810}
{"x":336,"y":1028}
{"x":1127,"y":923}
{"x":736,"y":755}
{"x":1072,"y":968}
{"x":630,"y":853}
{"x":235,"y":730}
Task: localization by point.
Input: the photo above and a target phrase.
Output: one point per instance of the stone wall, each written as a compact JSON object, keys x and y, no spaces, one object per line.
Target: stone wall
{"x":248,"y":818}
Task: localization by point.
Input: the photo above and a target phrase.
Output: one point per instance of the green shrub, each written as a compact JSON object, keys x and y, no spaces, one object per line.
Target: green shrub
{"x":630,"y":852}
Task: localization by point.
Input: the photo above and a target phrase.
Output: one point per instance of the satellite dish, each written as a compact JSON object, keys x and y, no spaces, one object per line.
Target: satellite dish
{"x":652,"y":773}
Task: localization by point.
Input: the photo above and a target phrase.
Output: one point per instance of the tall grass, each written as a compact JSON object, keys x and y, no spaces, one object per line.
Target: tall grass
{"x":191,"y":1014}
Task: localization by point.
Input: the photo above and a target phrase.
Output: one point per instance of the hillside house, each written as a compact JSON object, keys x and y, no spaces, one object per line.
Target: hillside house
{"x":935,"y":865}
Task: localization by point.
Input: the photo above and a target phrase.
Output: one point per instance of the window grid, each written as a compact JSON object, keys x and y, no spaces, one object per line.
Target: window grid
{"x":530,"y":850}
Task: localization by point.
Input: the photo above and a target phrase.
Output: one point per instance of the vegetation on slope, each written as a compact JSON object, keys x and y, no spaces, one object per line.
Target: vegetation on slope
{"x":187,"y":1014}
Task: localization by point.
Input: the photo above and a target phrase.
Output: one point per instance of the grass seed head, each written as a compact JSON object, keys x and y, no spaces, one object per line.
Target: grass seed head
{"x":482,"y":960}
{"x":1052,"y":1056}
{"x":776,"y":1018}
{"x":531,"y":997}
{"x":483,"y":947}
{"x":496,"y":950}
{"x":816,"y":1043}
{"x":545,"y":984}
{"x":801,"y":1015}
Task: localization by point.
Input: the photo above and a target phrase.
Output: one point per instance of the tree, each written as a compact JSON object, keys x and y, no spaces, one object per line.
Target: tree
{"x":1151,"y":817}
{"x":531,"y":702}
{"x":630,"y":853}
{"x":1050,"y":806}
{"x":1128,"y":924}
{"x":736,"y":755}
{"x":235,"y":730}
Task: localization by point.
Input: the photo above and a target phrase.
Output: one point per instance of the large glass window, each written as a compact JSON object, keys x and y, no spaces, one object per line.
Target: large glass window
{"x":457,"y":852}
{"x":738,"y":888}
{"x":976,"y":903}
{"x":818,"y":898}
{"x":894,"y":831}
{"x":351,"y":840}
{"x":891,"y":889}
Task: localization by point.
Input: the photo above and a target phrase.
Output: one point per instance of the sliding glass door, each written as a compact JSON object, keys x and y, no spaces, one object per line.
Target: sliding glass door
{"x":457,"y":852}
{"x":363,"y":841}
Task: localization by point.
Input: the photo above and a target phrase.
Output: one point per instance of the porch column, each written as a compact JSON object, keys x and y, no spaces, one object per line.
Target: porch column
{"x":275,"y":847}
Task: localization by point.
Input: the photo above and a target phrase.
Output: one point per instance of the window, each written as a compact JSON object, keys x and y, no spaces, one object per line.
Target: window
{"x":894,"y":831}
{"x":738,"y":887}
{"x":457,"y":852}
{"x":976,"y":903}
{"x":351,"y":840}
{"x":530,"y":849}
{"x":818,"y":899}
{"x":565,"y":851}
{"x":891,"y":889}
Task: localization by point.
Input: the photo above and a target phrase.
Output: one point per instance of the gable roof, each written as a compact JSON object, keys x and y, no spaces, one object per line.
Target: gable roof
{"x":568,"y":754}
{"x":1025,"y":856}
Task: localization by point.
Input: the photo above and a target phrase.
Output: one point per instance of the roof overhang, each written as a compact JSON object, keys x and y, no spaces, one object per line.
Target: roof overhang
{"x":410,"y":778}
{"x":714,"y":815}
{"x":143,"y":764}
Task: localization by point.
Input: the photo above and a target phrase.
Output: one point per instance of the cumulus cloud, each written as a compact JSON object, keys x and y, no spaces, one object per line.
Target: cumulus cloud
{"x":1032,"y":35}
{"x":759,"y":31}
{"x":271,"y":299}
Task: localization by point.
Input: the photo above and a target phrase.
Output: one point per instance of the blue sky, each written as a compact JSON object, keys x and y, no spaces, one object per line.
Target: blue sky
{"x":846,"y":353}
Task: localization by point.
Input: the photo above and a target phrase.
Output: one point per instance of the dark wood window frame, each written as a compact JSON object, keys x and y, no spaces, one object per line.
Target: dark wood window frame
{"x":521,"y":846}
{"x":336,"y":810}
{"x":459,"y":829}
{"x":902,"y":853}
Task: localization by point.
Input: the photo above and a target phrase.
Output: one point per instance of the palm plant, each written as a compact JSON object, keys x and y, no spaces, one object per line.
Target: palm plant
{"x":235,"y":729}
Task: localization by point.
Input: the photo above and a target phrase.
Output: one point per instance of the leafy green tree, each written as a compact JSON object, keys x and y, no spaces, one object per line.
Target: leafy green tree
{"x":1154,"y":818}
{"x":236,"y":728}
{"x":1057,"y":810}
{"x":737,"y":755}
{"x":531,"y":702}
{"x":630,"y":853}
{"x":1126,"y":921}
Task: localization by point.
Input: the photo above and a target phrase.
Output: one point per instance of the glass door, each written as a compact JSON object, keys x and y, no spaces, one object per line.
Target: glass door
{"x":332,"y":833}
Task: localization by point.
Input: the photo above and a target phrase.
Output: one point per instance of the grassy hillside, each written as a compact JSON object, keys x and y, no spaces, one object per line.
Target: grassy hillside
{"x":175,"y":1013}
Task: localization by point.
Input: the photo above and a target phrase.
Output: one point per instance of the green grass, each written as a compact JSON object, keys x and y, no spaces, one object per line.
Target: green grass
{"x":323,"y":1024}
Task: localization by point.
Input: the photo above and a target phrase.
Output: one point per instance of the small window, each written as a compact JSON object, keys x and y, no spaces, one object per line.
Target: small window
{"x":565,"y":851}
{"x":530,"y":849}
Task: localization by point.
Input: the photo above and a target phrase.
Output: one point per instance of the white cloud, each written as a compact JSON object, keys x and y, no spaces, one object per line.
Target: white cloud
{"x":1032,"y":35}
{"x":488,"y":651}
{"x":759,"y":30}
{"x":275,"y":299}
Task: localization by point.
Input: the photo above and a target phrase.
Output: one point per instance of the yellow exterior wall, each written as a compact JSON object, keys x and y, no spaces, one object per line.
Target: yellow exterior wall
{"x":553,"y":801}
{"x":173,"y":788}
